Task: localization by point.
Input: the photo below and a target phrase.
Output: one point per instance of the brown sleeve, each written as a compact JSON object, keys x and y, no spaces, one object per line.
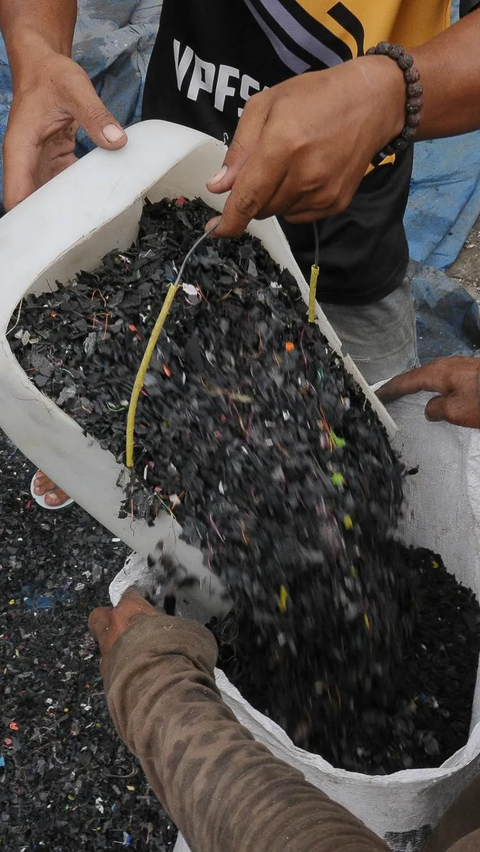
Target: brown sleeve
{"x":224,"y":791}
{"x":470,"y":843}
{"x":459,"y":829}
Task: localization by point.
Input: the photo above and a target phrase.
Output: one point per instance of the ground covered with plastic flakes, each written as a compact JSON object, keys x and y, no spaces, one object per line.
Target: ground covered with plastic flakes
{"x":66,"y":780}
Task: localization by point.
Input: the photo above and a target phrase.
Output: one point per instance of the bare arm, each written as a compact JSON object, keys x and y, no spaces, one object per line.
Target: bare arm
{"x":52,"y":95}
{"x":50,"y":21}
{"x":449,"y":68}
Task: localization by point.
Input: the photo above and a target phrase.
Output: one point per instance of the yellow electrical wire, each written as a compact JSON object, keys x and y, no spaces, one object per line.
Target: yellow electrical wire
{"x":312,"y":292}
{"x":147,"y":356}
{"x":140,"y":377}
{"x":312,"y":295}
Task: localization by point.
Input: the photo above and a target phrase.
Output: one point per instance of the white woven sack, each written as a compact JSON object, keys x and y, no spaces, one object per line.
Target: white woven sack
{"x":443,"y":514}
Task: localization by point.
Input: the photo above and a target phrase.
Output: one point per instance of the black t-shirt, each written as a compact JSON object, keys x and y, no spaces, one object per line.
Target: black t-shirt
{"x":212,"y":55}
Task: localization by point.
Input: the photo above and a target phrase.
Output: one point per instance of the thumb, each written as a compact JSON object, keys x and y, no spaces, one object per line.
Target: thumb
{"x":224,"y":179}
{"x":244,"y":142}
{"x":436,"y":408}
{"x":99,"y":621}
{"x":95,"y":118}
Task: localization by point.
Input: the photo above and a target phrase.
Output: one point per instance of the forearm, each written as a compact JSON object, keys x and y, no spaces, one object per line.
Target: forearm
{"x":31,"y":28}
{"x":223,"y":790}
{"x":449,"y":68}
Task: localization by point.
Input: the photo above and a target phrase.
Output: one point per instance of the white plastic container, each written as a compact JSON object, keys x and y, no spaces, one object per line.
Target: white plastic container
{"x":68,"y":225}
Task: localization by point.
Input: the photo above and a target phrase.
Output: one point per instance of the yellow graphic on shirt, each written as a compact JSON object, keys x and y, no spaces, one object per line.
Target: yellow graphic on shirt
{"x":318,"y":34}
{"x":409,"y":22}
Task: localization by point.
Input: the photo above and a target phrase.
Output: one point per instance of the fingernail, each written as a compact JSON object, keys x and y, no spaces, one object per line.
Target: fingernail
{"x":219,"y":176}
{"x":212,"y":224}
{"x":113,"y":133}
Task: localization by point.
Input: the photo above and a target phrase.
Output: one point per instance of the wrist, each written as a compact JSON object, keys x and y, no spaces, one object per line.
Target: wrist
{"x":386,"y":90}
{"x":25,"y":21}
{"x":31,"y":53}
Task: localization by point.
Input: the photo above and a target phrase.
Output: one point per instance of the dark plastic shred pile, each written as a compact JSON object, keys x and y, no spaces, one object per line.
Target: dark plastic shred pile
{"x":250,"y":430}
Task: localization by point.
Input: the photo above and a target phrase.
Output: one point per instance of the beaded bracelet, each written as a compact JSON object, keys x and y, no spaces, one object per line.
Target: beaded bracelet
{"x":414,"y":103}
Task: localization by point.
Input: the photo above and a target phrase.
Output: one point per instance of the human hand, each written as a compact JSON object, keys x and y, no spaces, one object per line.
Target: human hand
{"x":302,"y":147}
{"x":455,"y":380}
{"x":108,"y":623}
{"x":50,"y":99}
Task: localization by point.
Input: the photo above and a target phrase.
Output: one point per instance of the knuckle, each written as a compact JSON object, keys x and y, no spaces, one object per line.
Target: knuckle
{"x":452,"y":412}
{"x":96,"y":114}
{"x":300,"y":143}
{"x":292,"y":140}
{"x":235,"y":151}
{"x":342,"y":202}
{"x":245,"y":204}
{"x":329,"y":196}
{"x":334,"y":197}
{"x":312,"y":184}
{"x":254,"y":103}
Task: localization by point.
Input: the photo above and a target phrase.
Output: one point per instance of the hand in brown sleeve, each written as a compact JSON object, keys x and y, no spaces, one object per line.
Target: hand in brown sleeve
{"x":108,"y":623}
{"x":224,"y":791}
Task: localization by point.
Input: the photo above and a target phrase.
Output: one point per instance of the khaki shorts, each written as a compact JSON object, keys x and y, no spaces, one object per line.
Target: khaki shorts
{"x":381,"y":337}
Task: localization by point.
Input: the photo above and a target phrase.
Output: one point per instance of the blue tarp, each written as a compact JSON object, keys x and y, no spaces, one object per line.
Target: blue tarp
{"x":444,"y":204}
{"x":444,"y":198}
{"x":447,"y":317}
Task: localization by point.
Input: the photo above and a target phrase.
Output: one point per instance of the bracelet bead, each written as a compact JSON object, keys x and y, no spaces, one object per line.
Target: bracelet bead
{"x":414,"y":91}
